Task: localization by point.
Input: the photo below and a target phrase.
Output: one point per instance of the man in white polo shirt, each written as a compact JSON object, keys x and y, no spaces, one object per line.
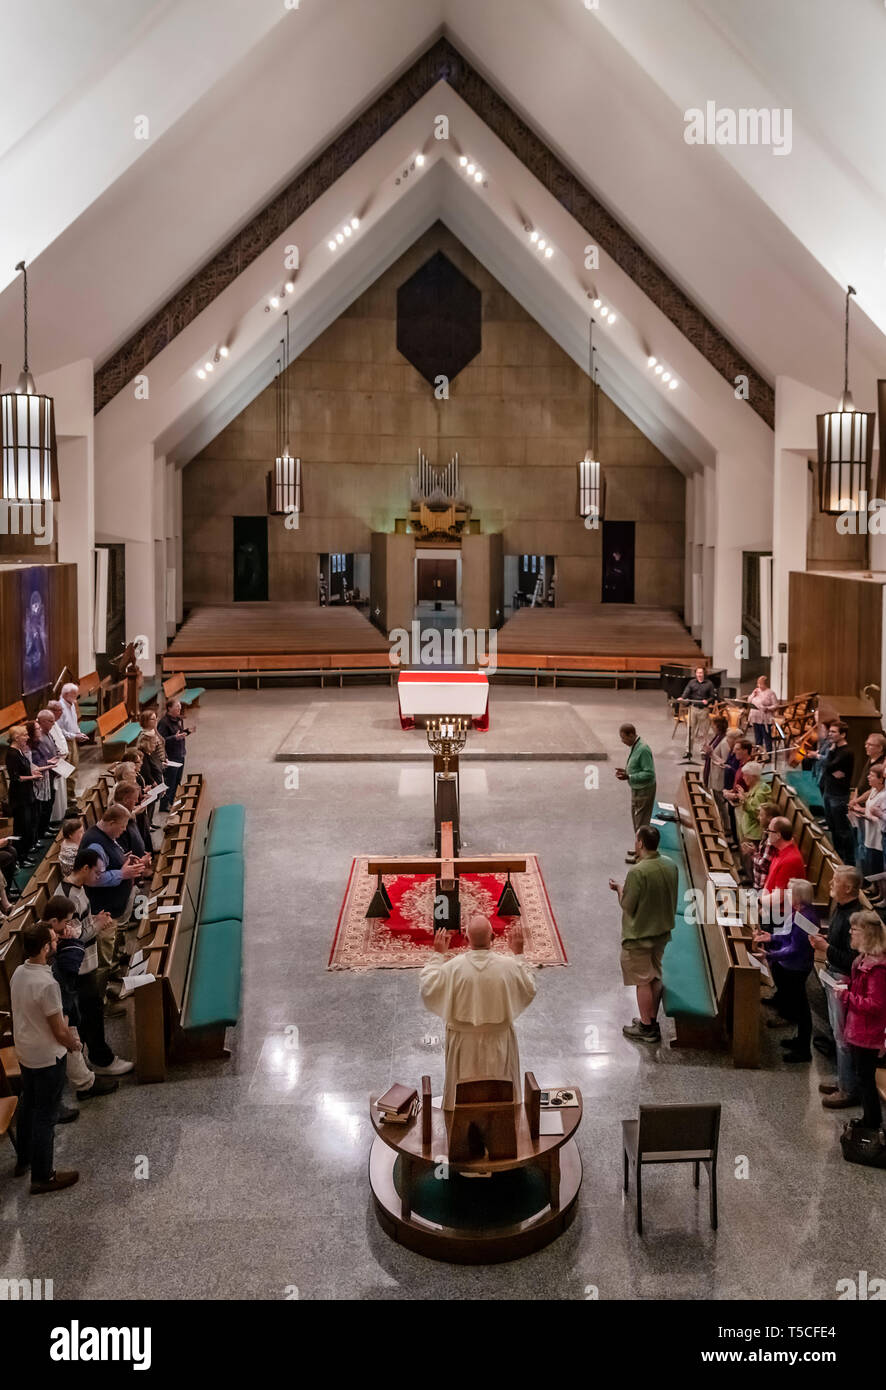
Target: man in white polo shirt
{"x":42,"y":1041}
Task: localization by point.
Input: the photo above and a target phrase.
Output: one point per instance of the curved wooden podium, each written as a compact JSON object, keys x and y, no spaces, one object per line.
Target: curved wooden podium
{"x":477,"y":1211}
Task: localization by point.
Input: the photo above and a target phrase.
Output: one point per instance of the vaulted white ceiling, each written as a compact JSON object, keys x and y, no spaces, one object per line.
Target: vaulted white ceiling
{"x":239,"y":97}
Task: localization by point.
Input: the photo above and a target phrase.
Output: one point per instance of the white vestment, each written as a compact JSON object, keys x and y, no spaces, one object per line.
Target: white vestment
{"x":479,"y":994}
{"x":60,"y":784}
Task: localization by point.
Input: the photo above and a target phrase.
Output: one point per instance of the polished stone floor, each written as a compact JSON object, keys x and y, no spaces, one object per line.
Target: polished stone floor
{"x":247,"y":1178}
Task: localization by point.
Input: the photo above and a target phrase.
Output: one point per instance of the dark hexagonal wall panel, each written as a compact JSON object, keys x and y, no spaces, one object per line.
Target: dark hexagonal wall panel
{"x":439,"y":319}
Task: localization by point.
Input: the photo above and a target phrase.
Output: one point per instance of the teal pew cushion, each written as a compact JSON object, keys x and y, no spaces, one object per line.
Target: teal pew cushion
{"x":807,"y":788}
{"x":222,"y":895}
{"x":226,"y":830}
{"x":88,"y":726}
{"x":127,"y":733}
{"x":214,"y":995}
{"x":684,"y":972}
{"x":188,"y":697}
{"x":149,"y":691}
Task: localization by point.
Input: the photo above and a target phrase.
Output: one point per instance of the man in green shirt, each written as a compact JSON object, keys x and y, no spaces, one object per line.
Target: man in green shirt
{"x":749,"y":799}
{"x":639,"y":773}
{"x":648,"y":901}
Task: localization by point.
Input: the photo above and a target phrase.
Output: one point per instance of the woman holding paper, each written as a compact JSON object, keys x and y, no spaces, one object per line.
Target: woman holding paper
{"x":44,"y":759}
{"x":792,"y":953}
{"x":22,"y":798}
{"x":50,"y":731}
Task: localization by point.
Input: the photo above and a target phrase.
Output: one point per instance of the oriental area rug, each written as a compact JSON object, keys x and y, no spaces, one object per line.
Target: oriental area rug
{"x":403,"y":940}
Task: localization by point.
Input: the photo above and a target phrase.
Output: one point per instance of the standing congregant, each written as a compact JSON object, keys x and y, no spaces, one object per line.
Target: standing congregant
{"x":479,"y":993}
{"x":639,"y":773}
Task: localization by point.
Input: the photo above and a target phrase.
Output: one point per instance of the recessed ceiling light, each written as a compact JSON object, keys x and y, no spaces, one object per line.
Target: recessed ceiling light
{"x":340,"y":238}
{"x":274,"y":302}
{"x":331,"y":245}
{"x":289,"y":287}
{"x":224,"y":352}
{"x":478,"y":177}
{"x":463,"y":160}
{"x":355,"y":222}
{"x":604,"y":311}
{"x":471,"y":168}
{"x":651,"y":361}
{"x":533,"y":236}
{"x":666,"y":377}
{"x":348,"y":231}
{"x":612,"y":318}
{"x":201,"y":374}
{"x":659,"y":369}
{"x":672,"y":384}
{"x":208,"y":367}
{"x":597,"y":303}
{"x":419,"y":159}
{"x":549,"y":251}
{"x":542,"y":244}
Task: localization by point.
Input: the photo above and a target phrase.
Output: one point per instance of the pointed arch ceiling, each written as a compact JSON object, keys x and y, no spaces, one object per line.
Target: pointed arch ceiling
{"x":441,"y":62}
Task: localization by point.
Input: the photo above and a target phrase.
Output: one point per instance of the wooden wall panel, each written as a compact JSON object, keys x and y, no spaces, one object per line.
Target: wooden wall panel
{"x":835,"y":634}
{"x":57,"y":586}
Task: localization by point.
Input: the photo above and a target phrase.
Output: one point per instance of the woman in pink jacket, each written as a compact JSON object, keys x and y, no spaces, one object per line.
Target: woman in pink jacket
{"x":865,"y":1027}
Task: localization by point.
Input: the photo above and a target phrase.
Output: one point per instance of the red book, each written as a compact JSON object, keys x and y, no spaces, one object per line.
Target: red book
{"x":397,"y":1099}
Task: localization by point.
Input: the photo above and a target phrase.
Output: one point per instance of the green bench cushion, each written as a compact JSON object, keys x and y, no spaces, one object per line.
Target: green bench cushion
{"x":149,"y":691}
{"x":684,"y":968}
{"x":127,"y":733}
{"x":222,"y":896}
{"x":88,"y":726}
{"x":214,"y":994}
{"x":226,"y":830}
{"x":808,"y":790}
{"x":188,"y":697}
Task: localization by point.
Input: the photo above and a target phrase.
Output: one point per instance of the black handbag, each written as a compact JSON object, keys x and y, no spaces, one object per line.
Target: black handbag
{"x":862,"y":1145}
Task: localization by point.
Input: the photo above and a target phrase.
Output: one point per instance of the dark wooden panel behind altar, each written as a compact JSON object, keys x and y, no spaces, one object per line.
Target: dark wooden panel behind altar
{"x":38,"y":629}
{"x":439,"y":319}
{"x":834,"y":634}
{"x":441,"y":62}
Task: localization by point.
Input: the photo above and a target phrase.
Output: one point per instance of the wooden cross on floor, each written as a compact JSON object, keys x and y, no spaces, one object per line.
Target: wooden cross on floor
{"x":447,"y":868}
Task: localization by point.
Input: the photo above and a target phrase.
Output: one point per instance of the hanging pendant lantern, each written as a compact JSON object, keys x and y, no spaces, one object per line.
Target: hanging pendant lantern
{"x":845,"y":447}
{"x":284,"y":484}
{"x":28,"y":447}
{"x":591,"y":485}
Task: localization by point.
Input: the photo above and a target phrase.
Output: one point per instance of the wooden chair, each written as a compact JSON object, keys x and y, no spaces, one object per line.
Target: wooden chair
{"x":672,"y":1134}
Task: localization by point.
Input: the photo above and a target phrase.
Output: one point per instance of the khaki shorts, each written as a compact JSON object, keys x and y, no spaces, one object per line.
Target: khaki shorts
{"x":641,"y":961}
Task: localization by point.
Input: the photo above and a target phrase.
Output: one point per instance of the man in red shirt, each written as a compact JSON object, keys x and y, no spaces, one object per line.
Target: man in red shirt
{"x":787,"y":864}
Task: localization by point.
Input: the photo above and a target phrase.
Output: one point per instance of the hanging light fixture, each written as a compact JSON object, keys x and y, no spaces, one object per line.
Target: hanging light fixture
{"x":845,"y":446}
{"x":27,"y":435}
{"x":284,"y":485}
{"x":591,"y":486}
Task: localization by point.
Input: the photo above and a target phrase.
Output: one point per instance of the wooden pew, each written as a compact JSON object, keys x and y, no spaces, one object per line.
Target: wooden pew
{"x":12,"y":714}
{"x":115,"y":729}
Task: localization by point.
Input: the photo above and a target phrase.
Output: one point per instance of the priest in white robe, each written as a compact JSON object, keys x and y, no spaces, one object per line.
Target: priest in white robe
{"x":479,"y":993}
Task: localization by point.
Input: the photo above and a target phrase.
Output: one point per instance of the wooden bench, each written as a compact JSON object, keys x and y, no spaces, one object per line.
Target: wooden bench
{"x":116,"y":730}
{"x":174,"y":689}
{"x":722,"y":963}
{"x":195,"y":956}
{"x":12,"y":715}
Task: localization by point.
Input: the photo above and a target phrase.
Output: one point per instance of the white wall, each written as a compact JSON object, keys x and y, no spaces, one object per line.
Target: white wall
{"x":71,"y":389}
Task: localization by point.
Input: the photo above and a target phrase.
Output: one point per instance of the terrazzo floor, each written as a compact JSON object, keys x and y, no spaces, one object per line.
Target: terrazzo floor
{"x":246,"y":1178}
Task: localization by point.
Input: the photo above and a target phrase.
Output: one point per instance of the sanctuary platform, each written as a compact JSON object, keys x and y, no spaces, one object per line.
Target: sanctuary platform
{"x":241,"y":638}
{"x":520,"y":729}
{"x":605,"y":638}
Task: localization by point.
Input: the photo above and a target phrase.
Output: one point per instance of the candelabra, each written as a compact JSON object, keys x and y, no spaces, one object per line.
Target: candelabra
{"x":447,"y":737}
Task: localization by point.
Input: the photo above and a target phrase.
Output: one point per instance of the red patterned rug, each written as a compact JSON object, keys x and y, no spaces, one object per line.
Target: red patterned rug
{"x":403,"y":940}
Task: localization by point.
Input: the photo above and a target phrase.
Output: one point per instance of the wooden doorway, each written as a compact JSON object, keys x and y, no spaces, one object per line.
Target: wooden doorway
{"x":618,"y":562}
{"x":250,"y":559}
{"x":437,"y":580}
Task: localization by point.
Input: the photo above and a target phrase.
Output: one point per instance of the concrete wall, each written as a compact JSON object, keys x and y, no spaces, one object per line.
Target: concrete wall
{"x":517,"y":415}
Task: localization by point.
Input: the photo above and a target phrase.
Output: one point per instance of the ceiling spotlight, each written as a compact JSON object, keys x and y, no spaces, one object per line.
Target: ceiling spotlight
{"x":355,"y":222}
{"x":274,"y":302}
{"x":331,"y":245}
{"x":549,"y":251}
{"x":612,"y":318}
{"x":463,"y":159}
{"x":339,"y":238}
{"x":348,"y":231}
{"x":604,"y":311}
{"x":597,"y":303}
{"x":666,"y":377}
{"x":533,"y":236}
{"x":419,"y":159}
{"x":201,"y":374}
{"x":289,"y":286}
{"x":651,"y":361}
{"x":208,"y":367}
{"x":672,"y":384}
{"x":471,"y":168}
{"x":224,"y":352}
{"x":542,"y":244}
{"x":478,"y":177}
{"x":658,"y":369}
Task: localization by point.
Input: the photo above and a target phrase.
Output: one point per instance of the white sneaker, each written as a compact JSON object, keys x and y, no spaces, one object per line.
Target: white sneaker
{"x":118,"y":1067}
